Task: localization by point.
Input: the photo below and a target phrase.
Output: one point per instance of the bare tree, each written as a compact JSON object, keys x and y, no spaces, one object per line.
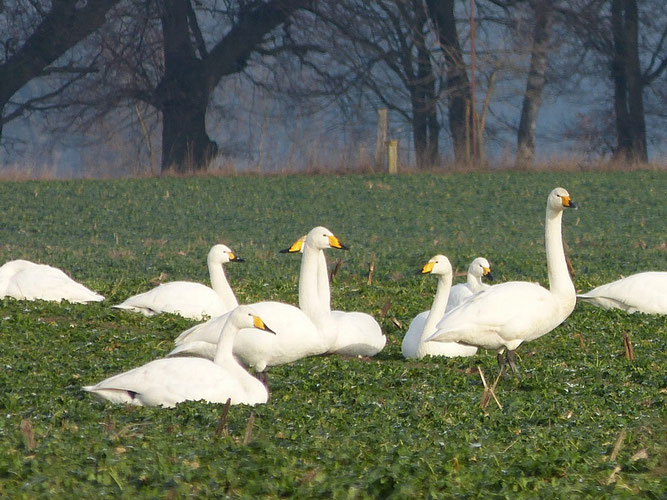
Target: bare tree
{"x":457,"y":82}
{"x":629,"y":46}
{"x":543,"y":15}
{"x":169,"y":56}
{"x":37,"y":35}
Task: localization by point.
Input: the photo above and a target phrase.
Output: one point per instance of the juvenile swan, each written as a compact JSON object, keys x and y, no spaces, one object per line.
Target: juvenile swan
{"x":508,"y":314}
{"x":423,"y":325}
{"x":169,"y":381}
{"x":26,"y":280}
{"x":478,"y":269}
{"x":642,"y":292}
{"x":189,"y":299}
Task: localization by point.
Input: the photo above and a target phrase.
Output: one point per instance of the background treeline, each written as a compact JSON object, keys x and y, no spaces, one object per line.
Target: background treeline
{"x":188,"y":85}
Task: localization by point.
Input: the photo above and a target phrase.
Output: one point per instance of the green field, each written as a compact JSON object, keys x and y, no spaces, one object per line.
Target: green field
{"x":583,"y":421}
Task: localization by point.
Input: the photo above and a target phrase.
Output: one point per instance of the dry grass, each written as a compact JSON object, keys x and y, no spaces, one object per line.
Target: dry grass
{"x":342,"y":165}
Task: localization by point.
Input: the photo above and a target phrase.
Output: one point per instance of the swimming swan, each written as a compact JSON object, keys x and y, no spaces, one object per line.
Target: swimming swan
{"x":478,"y":268}
{"x":189,"y":299}
{"x":642,"y":292}
{"x":508,"y":314}
{"x":26,"y":280}
{"x":423,"y":325}
{"x":349,"y":333}
{"x":297,"y":336}
{"x":169,"y":381}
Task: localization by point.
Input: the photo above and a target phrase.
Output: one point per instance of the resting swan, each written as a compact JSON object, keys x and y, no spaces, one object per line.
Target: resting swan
{"x":350,"y":333}
{"x":642,"y":292}
{"x":26,"y":280}
{"x":297,"y":336}
{"x":169,"y":381}
{"x":423,"y":325}
{"x":478,"y":268}
{"x":189,"y":299}
{"x":508,"y":314}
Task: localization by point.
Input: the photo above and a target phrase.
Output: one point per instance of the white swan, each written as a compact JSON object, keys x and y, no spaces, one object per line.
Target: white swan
{"x":26,"y":280}
{"x":168,"y":381}
{"x":642,"y":292}
{"x":478,"y":268}
{"x":350,"y":333}
{"x":297,"y":336}
{"x":508,"y":314}
{"x":189,"y":299}
{"x":423,"y":325}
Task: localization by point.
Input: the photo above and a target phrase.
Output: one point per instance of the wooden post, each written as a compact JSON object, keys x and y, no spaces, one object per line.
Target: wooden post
{"x":392,"y":155}
{"x":380,"y":156}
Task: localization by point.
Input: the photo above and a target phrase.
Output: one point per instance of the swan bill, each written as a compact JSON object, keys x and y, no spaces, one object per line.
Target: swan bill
{"x":296,"y":247}
{"x":259,"y":324}
{"x":334,"y":242}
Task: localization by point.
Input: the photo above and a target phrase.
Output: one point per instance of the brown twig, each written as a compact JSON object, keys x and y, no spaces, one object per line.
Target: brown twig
{"x":385,"y":309}
{"x":488,"y":391}
{"x":629,"y":350}
{"x":28,"y":433}
{"x":248,"y":429}
{"x":334,"y":271}
{"x":222,"y":424}
{"x":371,"y":269}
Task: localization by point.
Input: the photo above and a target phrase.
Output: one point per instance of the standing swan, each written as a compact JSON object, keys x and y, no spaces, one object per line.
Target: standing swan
{"x":297,"y":335}
{"x":189,"y":299}
{"x":26,"y":280}
{"x":478,"y":268}
{"x":168,"y":381}
{"x":642,"y":292}
{"x":350,"y":333}
{"x":508,"y":314}
{"x":423,"y":325}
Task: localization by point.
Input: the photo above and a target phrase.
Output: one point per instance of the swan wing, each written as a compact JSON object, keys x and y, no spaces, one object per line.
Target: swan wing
{"x":503,"y":316}
{"x":357,"y":334}
{"x":189,"y":299}
{"x":166,"y":382}
{"x":41,"y":282}
{"x":295,"y":337}
{"x":642,"y":292}
{"x":457,"y":295}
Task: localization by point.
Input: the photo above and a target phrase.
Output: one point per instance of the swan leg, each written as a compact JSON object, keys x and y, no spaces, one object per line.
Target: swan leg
{"x":501,"y":363}
{"x":511,"y":359}
{"x":263,"y":378}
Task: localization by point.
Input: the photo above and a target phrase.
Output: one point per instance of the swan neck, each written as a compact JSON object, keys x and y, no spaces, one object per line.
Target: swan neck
{"x":438,"y":307}
{"x":224,"y":351}
{"x":316,"y":305}
{"x":474,"y":283}
{"x":559,"y":276}
{"x":220,"y":285}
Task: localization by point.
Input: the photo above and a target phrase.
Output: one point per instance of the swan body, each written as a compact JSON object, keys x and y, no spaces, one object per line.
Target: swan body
{"x":189,"y":299}
{"x":296,"y":337}
{"x":297,"y":333}
{"x":349,"y":333}
{"x":26,"y":280}
{"x":168,"y":381}
{"x":506,"y":315}
{"x":642,"y":292}
{"x":458,"y":294}
{"x":423,"y":325}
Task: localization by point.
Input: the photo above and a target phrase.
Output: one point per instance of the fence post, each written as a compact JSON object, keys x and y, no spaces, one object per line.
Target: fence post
{"x":380,"y":145}
{"x":392,"y":155}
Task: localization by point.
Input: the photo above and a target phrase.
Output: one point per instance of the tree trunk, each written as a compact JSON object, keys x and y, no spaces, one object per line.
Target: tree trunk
{"x":426,"y":129}
{"x":635,"y":84}
{"x":628,"y":83}
{"x":532,"y":98}
{"x":457,"y":83}
{"x":63,"y":26}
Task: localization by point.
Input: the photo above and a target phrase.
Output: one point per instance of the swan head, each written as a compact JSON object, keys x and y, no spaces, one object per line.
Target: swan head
{"x":438,"y":265}
{"x":559,"y":199}
{"x":245,"y":317}
{"x":297,"y":246}
{"x":221,"y":254}
{"x":480,"y":267}
{"x":321,"y":238}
